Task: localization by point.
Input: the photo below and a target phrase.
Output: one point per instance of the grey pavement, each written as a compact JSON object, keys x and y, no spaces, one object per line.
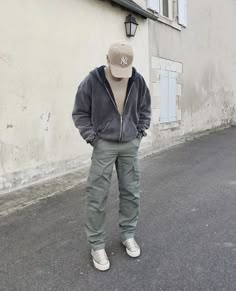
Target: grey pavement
{"x":187,"y":229}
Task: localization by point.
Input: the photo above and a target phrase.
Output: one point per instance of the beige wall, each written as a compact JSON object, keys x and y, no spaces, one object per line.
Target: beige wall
{"x":206,"y":49}
{"x":46,"y":49}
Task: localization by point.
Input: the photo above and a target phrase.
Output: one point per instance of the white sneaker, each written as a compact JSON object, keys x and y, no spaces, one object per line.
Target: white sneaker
{"x":132,"y":248}
{"x":100,"y":260}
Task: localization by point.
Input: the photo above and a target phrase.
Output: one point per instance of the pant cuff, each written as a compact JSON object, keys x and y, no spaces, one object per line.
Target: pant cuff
{"x":126,"y":236}
{"x":98,"y":247}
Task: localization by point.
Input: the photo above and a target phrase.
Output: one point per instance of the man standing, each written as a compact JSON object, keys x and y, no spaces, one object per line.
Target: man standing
{"x":112,"y":111}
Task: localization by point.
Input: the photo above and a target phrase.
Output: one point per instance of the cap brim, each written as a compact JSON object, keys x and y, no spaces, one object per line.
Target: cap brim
{"x":119,"y":72}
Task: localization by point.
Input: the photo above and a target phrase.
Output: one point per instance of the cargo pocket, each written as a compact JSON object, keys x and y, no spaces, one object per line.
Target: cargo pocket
{"x":95,"y":178}
{"x":100,"y":177}
{"x":97,"y":189}
{"x":136,"y":181}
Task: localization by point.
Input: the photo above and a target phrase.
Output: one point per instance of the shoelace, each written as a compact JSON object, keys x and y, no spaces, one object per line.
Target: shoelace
{"x":100,"y":255}
{"x":131,"y":244}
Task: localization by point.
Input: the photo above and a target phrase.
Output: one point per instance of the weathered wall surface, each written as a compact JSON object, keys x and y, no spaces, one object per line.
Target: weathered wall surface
{"x":206,"y":97}
{"x":46,"y":49}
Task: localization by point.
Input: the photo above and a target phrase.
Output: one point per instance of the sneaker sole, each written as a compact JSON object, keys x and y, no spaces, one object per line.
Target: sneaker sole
{"x":133,"y":254}
{"x":101,"y":267}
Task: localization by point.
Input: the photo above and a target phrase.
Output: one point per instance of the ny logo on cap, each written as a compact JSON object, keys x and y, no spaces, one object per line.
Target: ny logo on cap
{"x":124,"y":61}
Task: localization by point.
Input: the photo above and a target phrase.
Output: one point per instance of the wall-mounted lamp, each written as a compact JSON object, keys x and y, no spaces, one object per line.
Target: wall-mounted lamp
{"x":130,"y":25}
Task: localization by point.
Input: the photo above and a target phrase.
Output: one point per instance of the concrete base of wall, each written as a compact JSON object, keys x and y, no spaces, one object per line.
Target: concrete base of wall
{"x":40,"y":174}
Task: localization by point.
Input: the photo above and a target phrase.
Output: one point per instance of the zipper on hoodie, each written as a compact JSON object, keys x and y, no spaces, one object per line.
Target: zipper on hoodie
{"x":121,"y":126}
{"x":121,"y":117}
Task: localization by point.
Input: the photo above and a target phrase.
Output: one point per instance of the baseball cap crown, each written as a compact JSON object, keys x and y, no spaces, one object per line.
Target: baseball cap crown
{"x":121,"y":56}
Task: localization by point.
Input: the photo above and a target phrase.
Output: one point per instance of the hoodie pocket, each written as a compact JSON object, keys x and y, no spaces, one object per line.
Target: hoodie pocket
{"x":111,"y":130}
{"x":106,"y":126}
{"x":129,"y":129}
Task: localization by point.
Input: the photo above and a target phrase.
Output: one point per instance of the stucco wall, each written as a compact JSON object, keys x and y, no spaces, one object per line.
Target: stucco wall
{"x":206,"y":49}
{"x":46,"y":49}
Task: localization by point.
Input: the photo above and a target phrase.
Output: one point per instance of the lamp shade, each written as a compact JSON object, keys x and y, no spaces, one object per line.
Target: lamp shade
{"x":130,"y":25}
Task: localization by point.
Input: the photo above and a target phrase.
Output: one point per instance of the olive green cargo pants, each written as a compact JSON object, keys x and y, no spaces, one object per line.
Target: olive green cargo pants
{"x":125,"y":157}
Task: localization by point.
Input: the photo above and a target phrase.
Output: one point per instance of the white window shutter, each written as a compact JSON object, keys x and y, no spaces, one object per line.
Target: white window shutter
{"x":164,"y":98}
{"x":172,"y":96}
{"x":182,"y":12}
{"x":154,"y":5}
{"x":168,"y":96}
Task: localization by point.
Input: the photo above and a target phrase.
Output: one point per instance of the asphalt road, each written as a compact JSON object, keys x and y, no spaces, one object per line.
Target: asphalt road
{"x":187,"y":229}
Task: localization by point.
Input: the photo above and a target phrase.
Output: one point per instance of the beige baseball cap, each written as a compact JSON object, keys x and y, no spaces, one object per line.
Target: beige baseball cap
{"x":121,"y":56}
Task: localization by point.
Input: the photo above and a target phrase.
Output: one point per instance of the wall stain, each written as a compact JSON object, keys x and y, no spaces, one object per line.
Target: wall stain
{"x":45,"y":117}
{"x":6,"y":150}
{"x":10,"y":126}
{"x":5,"y":58}
{"x":49,"y":115}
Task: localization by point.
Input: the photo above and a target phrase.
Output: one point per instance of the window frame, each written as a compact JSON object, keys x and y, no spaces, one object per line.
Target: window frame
{"x":170,"y":9}
{"x":174,"y":17}
{"x":154,"y":7}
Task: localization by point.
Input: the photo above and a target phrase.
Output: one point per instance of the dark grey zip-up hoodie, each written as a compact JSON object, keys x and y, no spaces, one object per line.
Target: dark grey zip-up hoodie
{"x":95,"y":112}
